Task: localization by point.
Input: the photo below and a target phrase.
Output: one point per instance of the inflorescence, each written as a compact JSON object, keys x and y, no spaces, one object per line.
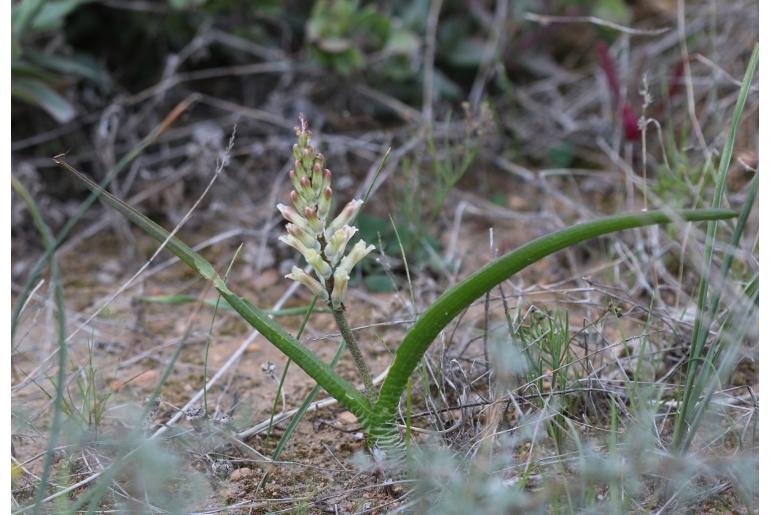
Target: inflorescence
{"x":321,"y":242}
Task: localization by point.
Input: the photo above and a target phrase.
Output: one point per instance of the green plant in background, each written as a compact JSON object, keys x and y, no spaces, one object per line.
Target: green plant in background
{"x":341,"y":35}
{"x":707,"y":369}
{"x":422,"y":196}
{"x":377,"y":413}
{"x":36,"y":76}
{"x":450,"y":163}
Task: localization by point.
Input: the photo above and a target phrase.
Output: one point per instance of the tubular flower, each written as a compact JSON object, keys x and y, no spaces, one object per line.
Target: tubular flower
{"x":321,"y":242}
{"x":299,"y":275}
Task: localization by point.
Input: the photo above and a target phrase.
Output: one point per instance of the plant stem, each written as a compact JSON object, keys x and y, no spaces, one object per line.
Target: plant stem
{"x":355,"y":350}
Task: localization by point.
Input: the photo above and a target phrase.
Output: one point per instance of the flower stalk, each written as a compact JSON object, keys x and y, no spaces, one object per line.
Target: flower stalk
{"x":323,"y":244}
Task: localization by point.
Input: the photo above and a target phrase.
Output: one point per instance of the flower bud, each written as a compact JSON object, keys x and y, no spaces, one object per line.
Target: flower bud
{"x":346,"y":215}
{"x":296,"y":152}
{"x":306,"y":190}
{"x":324,"y":203}
{"x":327,"y":182}
{"x":315,"y":223}
{"x":337,"y":243}
{"x":318,"y":176}
{"x":300,"y":276}
{"x":307,"y":158}
{"x":294,"y":178}
{"x":297,"y":200}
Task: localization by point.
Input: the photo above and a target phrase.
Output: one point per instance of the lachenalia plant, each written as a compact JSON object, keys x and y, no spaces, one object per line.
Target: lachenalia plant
{"x":322,"y":240}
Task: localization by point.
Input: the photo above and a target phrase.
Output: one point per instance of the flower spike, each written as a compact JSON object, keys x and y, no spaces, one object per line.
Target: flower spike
{"x":321,"y":243}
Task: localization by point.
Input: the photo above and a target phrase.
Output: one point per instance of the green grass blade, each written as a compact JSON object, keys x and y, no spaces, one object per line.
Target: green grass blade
{"x":460,"y":296}
{"x":210,"y":336}
{"x":705,"y":373}
{"x":58,"y":400}
{"x":337,"y":387}
{"x":700,"y":327}
{"x":288,"y":364}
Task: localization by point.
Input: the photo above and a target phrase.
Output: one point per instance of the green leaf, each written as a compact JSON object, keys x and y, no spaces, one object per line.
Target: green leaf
{"x":455,"y":299}
{"x":23,"y":14}
{"x":40,"y":94}
{"x":322,"y":373}
{"x":52,"y":15}
{"x":79,"y":65}
{"x":402,"y":42}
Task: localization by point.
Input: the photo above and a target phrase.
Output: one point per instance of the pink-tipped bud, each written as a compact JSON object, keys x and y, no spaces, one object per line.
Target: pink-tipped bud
{"x":317,"y":177}
{"x":296,"y":152}
{"x":296,"y":199}
{"x":324,"y":203}
{"x":315,"y":224}
{"x":307,"y":159}
{"x":327,"y":182}
{"x":305,"y":191}
{"x":294,"y":180}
